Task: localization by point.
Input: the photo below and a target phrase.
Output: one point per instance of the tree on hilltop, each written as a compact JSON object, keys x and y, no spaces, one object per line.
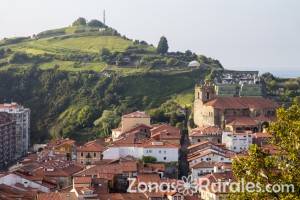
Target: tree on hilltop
{"x":79,"y":22}
{"x":163,"y":46}
{"x":95,"y":23}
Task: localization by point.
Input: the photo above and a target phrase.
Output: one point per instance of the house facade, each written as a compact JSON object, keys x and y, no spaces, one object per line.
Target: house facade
{"x":237,"y":142}
{"x":90,"y":152}
{"x":162,"y":151}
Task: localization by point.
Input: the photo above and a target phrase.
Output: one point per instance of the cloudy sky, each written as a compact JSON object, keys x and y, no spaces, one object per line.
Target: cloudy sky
{"x":242,"y":34}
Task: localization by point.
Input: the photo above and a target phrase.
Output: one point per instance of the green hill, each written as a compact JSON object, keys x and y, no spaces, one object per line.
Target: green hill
{"x":77,"y":80}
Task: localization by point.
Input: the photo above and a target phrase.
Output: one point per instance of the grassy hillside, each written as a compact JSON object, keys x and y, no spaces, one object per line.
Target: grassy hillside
{"x":79,"y":79}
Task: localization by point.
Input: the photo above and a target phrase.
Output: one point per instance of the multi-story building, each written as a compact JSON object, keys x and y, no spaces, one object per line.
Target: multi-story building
{"x":65,"y":146}
{"x":237,"y":142}
{"x":130,"y":146}
{"x":205,"y":133}
{"x":22,"y":117}
{"x":90,"y":152}
{"x":235,"y":113}
{"x":138,"y":119}
{"x":7,"y":139}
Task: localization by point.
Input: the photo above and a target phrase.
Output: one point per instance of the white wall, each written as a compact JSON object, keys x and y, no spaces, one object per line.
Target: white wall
{"x":161,"y":154}
{"x":12,"y":179}
{"x":195,"y":172}
{"x":236,"y":142}
{"x":211,"y":158}
{"x":111,"y":153}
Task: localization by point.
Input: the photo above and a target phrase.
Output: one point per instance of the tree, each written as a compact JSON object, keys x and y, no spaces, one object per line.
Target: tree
{"x":79,"y":22}
{"x":107,"y":121}
{"x":280,"y":168}
{"x":163,"y":46}
{"x":2,"y":53}
{"x":96,"y":23}
{"x":105,"y":54}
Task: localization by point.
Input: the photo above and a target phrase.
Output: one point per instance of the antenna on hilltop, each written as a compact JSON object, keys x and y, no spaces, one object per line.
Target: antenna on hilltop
{"x":104,"y":17}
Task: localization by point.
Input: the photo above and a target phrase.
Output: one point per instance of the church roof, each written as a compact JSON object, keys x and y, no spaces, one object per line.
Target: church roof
{"x":241,"y":103}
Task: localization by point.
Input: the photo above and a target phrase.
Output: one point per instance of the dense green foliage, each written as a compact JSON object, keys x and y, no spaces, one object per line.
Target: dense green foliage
{"x":96,"y":23}
{"x":79,"y":22}
{"x":149,"y":159}
{"x":280,"y":168}
{"x":283,"y":89}
{"x":162,"y":46}
{"x":84,"y":105}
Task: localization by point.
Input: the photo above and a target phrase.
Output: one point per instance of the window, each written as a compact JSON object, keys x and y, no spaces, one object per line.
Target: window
{"x":81,"y":154}
{"x":222,"y":158}
{"x":159,"y":151}
{"x":165,"y":158}
{"x":95,"y":155}
{"x":199,"y":140}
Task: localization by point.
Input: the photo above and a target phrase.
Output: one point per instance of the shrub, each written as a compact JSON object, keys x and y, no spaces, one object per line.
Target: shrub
{"x":18,"y":58}
{"x":79,"y":22}
{"x":149,"y":159}
{"x":95,"y":23}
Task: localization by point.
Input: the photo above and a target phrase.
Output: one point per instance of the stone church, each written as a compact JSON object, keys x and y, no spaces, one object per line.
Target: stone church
{"x":231,"y":113}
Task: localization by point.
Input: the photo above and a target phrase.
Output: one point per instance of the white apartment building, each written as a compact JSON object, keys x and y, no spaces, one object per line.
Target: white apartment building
{"x":163,"y":152}
{"x":22,"y":117}
{"x":237,"y":142}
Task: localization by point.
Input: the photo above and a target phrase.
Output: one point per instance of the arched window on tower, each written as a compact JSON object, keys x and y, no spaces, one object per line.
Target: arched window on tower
{"x":207,"y":95}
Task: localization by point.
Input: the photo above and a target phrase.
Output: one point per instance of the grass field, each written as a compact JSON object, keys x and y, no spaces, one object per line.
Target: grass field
{"x":72,"y":66}
{"x":88,"y":44}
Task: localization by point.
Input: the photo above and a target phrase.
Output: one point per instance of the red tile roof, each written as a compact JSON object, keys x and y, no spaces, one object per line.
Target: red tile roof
{"x":9,"y":105}
{"x":165,"y":131}
{"x":262,"y":135}
{"x":60,"y":142}
{"x":12,"y":193}
{"x":82,"y":180}
{"x":148,"y":178}
{"x":92,"y":146}
{"x":123,"y":196}
{"x":131,"y":141}
{"x":206,"y":130}
{"x":243,"y":121}
{"x":241,"y":103}
{"x":109,"y":170}
{"x":201,"y":165}
{"x":136,"y":114}
{"x":57,"y":196}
